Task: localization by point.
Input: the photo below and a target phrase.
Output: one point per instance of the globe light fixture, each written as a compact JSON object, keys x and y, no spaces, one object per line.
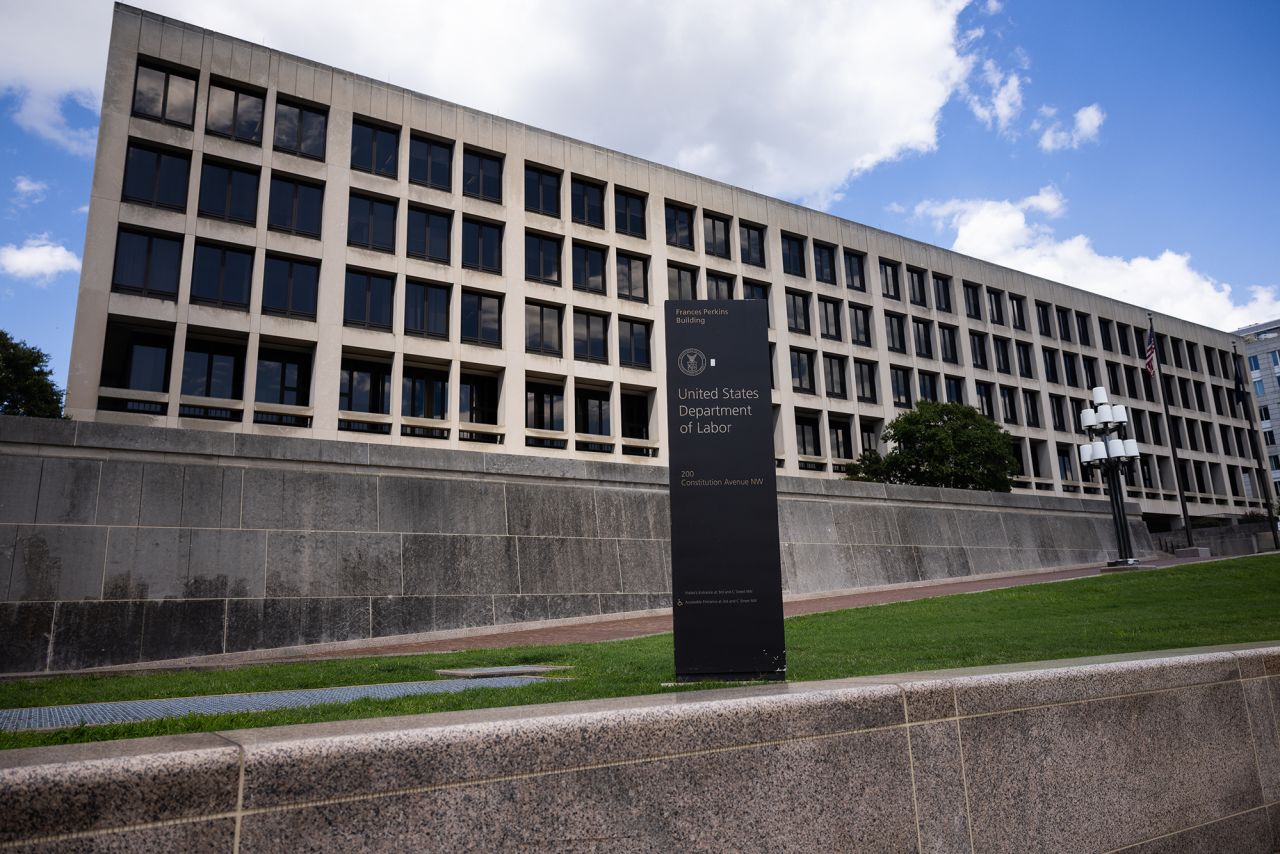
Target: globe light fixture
{"x":1111,"y":452}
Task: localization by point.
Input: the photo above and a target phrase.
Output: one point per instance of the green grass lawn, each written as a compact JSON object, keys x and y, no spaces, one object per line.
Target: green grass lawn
{"x":1215,"y":603}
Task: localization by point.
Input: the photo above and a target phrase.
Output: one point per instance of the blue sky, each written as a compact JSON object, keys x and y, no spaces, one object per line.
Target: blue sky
{"x":1127,"y":148}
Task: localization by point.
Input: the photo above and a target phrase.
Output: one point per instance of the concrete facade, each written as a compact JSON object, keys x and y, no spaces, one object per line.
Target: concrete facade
{"x":1140,"y":754}
{"x":821,"y":420}
{"x":121,"y":543}
{"x":1262,"y":352}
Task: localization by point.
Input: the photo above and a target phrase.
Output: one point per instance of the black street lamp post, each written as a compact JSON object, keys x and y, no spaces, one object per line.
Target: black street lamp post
{"x":1111,"y":452}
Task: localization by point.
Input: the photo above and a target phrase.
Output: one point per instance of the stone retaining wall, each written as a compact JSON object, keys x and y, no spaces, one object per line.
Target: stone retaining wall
{"x":1179,"y":753}
{"x":121,"y":544}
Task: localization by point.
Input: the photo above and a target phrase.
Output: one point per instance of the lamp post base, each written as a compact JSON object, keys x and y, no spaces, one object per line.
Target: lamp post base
{"x":1133,"y":561}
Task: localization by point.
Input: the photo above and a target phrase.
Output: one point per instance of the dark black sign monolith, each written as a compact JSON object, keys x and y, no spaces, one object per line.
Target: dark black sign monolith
{"x":726,"y":577}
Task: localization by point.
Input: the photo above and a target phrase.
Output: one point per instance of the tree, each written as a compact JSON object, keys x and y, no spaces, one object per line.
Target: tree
{"x":26,"y":383}
{"x":941,"y":444}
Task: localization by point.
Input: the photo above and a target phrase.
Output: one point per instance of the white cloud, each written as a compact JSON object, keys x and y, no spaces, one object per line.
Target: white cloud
{"x":38,"y":258}
{"x":992,"y":7}
{"x":83,"y":209}
{"x":1088,"y":121}
{"x":28,"y":191}
{"x":895,"y":208}
{"x":1013,"y":234}
{"x":791,"y":100}
{"x":1003,"y":103}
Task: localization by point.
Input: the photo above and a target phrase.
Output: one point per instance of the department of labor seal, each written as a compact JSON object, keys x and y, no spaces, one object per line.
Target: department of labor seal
{"x":692,"y":362}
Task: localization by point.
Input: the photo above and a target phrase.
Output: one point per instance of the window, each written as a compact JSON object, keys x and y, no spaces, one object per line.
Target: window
{"x":1264,"y":413}
{"x":234,"y":114}
{"x":840,"y":433}
{"x":751,"y":243}
{"x":1001,"y":347}
{"x":972,"y":301}
{"x":802,"y":371}
{"x":588,"y":268}
{"x":1044,"y":321}
{"x":431,"y":162}
{"x":1104,"y":334}
{"x":364,"y":387}
{"x":719,"y":286}
{"x":829,"y":319}
{"x":542,"y":191}
{"x":428,"y":234}
{"x":591,"y":411}
{"x":635,"y":415}
{"x":295,"y":206}
{"x":954,"y":388}
{"x":300,"y":130}
{"x":477,"y":399}
{"x":289,"y":287}
{"x":482,"y":176}
{"x":137,"y":359}
{"x":900,"y":383}
{"x":628,"y":209}
{"x":1064,"y":323}
{"x":229,"y":192}
{"x":368,"y":300}
{"x":895,"y":332}
{"x":679,"y":226}
{"x":220,"y":275}
{"x":915,"y":287}
{"x":155,"y":177}
{"x":995,"y":306}
{"x":682,"y":282}
{"x":854,"y":277}
{"x":864,"y":374}
{"x":633,"y":277}
{"x":986,"y":401}
{"x":213,"y":369}
{"x":544,"y":406}
{"x":1069,"y":373}
{"x":942,"y":293}
{"x":1254,"y":364}
{"x":482,"y":318}
{"x":792,"y":254}
{"x":371,"y":223}
{"x":1082,"y":327}
{"x":426,"y":309}
{"x":1122,"y":335}
{"x":808,"y":435}
{"x":374,"y":148}
{"x":284,"y":377}
{"x":542,"y":329}
{"x":424,"y":393}
{"x":1091,"y":372}
{"x":588,"y":202}
{"x":1018,"y":311}
{"x":824,"y":263}
{"x":868,"y":434}
{"x":860,"y":324}
{"x":928,"y":386}
{"x":633,"y":342}
{"x":1050,"y":365}
{"x":590,"y":336}
{"x":947,"y":339}
{"x":978,"y":350}
{"x":1025,"y":367}
{"x":541,"y":258}
{"x":834,"y":373}
{"x":922,"y":334}
{"x":1009,"y":404}
{"x":889,"y":285}
{"x":760,"y":291}
{"x":1058,"y":410}
{"x":166,"y":96}
{"x":715,"y":235}
{"x":798,"y":312}
{"x":147,"y":264}
{"x":481,"y":246}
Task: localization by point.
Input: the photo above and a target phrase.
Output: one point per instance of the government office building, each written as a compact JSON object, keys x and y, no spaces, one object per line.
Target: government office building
{"x":1262,"y":350}
{"x":279,"y":247}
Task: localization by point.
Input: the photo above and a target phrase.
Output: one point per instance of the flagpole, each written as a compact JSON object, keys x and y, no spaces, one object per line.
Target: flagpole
{"x":1173,"y":446}
{"x":1264,"y":479}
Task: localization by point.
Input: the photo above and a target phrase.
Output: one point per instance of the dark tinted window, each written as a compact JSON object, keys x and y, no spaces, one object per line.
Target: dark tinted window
{"x":542,"y":329}
{"x":854,"y":275}
{"x":797,"y":312}
{"x":147,"y":264}
{"x":633,"y":277}
{"x":590,"y":336}
{"x":635,"y":416}
{"x":374,"y":149}
{"x":942,"y":293}
{"x":284,"y":377}
{"x":751,"y":244}
{"x":481,"y":246}
{"x":234,"y":114}
{"x":895,"y":333}
{"x":793,"y":255}
{"x":542,"y":191}
{"x":834,"y":376}
{"x":426,"y":309}
{"x":588,"y":268}
{"x":477,"y":399}
{"x":371,"y":223}
{"x":679,"y":226}
{"x":544,"y":406}
{"x":431,"y":162}
{"x":364,"y":387}
{"x":429,"y":234}
{"x":860,"y":323}
{"x":229,"y":192}
{"x":719,"y":286}
{"x":915,"y":287}
{"x":890,"y":287}
{"x":628,"y":213}
{"x":368,"y":300}
{"x":300,"y":130}
{"x":213,"y":369}
{"x":591,"y":411}
{"x":482,"y":176}
{"x":481,"y":318}
{"x":682,"y":282}
{"x":167,"y":96}
{"x":541,"y":258}
{"x":289,"y":287}
{"x":633,"y":342}
{"x":295,"y":206}
{"x":220,"y":275}
{"x":824,"y":263}
{"x":802,"y":371}
{"x":588,"y":202}
{"x":715,"y":235}
{"x":424,"y":393}
{"x":155,"y":177}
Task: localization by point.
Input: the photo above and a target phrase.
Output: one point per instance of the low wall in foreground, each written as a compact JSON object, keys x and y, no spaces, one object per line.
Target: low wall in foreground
{"x":1152,"y":754}
{"x":121,"y":544}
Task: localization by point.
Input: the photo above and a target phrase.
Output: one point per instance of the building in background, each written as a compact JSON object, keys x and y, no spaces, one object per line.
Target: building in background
{"x":280,"y":247}
{"x":1262,"y":355}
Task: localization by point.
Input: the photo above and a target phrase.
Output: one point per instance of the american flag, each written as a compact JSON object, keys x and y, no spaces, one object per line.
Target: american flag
{"x":1150,"y":367}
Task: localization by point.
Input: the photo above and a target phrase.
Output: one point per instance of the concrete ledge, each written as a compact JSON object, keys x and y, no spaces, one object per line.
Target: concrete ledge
{"x":1192,"y":551}
{"x":1145,"y":752}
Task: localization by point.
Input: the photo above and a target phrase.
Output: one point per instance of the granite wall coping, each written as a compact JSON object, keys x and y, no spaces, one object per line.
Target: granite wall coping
{"x":1144,"y":752}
